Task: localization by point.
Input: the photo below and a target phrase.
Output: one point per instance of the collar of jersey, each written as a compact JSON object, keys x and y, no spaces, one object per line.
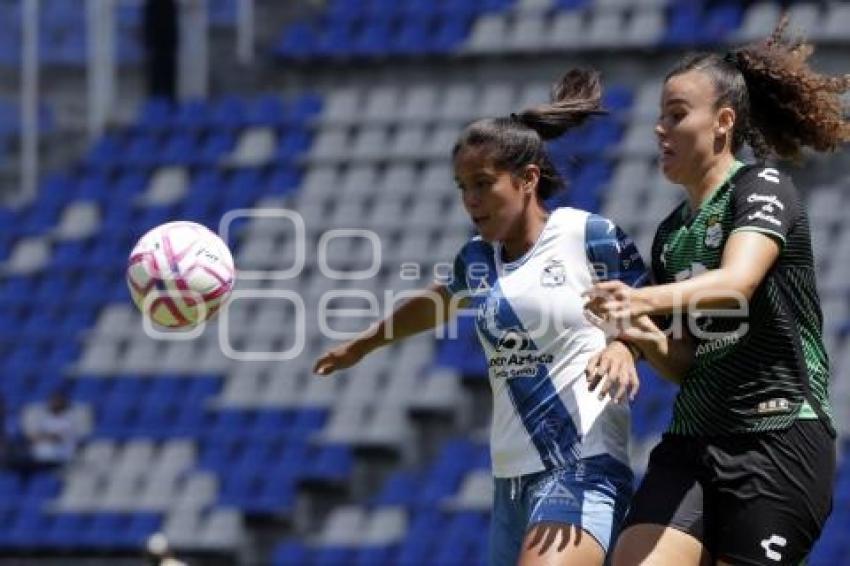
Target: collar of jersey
{"x":688,"y":216}
{"x":512,"y":265}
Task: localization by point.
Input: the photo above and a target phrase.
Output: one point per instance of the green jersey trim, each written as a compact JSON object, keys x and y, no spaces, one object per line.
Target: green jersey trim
{"x":806,"y":412}
{"x":688,"y":215}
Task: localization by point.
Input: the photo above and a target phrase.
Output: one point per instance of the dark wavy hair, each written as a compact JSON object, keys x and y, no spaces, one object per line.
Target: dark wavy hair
{"x":516,"y":141}
{"x":781,"y":104}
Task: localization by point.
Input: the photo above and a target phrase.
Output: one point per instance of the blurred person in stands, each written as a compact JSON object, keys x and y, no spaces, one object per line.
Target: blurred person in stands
{"x":161,"y":31}
{"x":159,"y":553}
{"x":559,"y":452}
{"x":53,"y":432}
{"x":744,"y":474}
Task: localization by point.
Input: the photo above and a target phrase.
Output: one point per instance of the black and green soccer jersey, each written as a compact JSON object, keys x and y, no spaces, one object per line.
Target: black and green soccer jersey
{"x":751,"y":371}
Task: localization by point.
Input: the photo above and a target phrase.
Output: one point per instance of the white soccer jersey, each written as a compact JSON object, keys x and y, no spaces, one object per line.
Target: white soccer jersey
{"x":530,"y":321}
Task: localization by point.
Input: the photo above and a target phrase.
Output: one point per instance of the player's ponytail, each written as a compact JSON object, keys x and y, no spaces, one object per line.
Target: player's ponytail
{"x":575,"y":98}
{"x":781,"y":104}
{"x":515,"y":141}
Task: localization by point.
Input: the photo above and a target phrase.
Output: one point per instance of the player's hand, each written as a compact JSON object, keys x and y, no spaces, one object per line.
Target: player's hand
{"x":615,"y":303}
{"x":613,"y":372}
{"x":342,"y":357}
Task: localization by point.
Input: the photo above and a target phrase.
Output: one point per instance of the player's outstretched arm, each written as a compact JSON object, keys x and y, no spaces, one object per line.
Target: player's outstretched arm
{"x":428,"y":309}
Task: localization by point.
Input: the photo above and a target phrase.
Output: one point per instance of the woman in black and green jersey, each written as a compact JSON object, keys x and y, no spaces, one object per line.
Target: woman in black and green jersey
{"x":744,"y":473}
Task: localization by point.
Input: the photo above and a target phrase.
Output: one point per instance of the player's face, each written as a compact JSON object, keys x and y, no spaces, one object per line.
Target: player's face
{"x":686,"y":128}
{"x":493,"y":198}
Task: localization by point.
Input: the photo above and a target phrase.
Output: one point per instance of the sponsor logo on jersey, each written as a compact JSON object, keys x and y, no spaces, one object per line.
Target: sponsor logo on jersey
{"x":759,"y":215}
{"x":780,"y":405}
{"x":713,"y":233}
{"x":770,"y":200}
{"x":713,"y":346}
{"x":554,"y":274}
{"x":768,"y":545}
{"x":769,"y":204}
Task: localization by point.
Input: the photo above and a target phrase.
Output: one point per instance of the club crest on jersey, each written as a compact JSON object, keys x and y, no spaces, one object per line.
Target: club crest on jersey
{"x":554,"y":274}
{"x":713,"y":233}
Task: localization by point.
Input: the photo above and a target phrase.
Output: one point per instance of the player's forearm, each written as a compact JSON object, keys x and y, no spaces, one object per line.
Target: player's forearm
{"x":714,"y":289}
{"x":426,"y":310}
{"x":671,"y":360}
{"x":671,"y":357}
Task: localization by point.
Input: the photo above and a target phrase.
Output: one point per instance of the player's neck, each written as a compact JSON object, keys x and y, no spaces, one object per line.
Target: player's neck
{"x":515,"y":247}
{"x":706,"y":183}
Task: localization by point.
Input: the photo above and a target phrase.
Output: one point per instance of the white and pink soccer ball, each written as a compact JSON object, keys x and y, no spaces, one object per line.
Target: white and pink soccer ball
{"x":180,"y":274}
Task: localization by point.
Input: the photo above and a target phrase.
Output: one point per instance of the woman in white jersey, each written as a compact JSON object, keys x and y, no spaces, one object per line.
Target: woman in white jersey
{"x":559,"y":452}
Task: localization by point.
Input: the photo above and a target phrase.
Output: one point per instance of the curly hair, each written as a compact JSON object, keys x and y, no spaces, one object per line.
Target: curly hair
{"x":517,"y":140}
{"x":781,"y":104}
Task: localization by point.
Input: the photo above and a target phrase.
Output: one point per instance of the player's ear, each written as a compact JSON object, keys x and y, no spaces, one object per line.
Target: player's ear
{"x":725,"y":121}
{"x":530,"y":178}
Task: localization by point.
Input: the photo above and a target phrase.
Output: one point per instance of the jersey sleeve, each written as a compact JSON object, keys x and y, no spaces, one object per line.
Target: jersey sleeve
{"x":456,"y":281}
{"x":612,"y":254}
{"x":473,"y":267}
{"x":765,"y":201}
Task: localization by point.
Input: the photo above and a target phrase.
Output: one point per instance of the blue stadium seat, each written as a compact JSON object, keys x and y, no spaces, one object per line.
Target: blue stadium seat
{"x":308,"y":420}
{"x":178,"y":149}
{"x":156,"y":114}
{"x":106,"y":151}
{"x":142,"y":150}
{"x":335,"y":40}
{"x":27,"y":528}
{"x":305,"y":108}
{"x":228,"y":112}
{"x":10,"y":485}
{"x":227,"y":424}
{"x":374,"y":555}
{"x":290,"y":554}
{"x":282,"y":181}
{"x":421,"y":537}
{"x":331,"y":464}
{"x":333,"y":556}
{"x":345,"y":10}
{"x":400,"y":489}
{"x":222,"y":13}
{"x":89,"y":390}
{"x":721,"y":22}
{"x":277,"y":495}
{"x":269,"y":423}
{"x":373,"y":40}
{"x":422,"y":10}
{"x":412,"y":38}
{"x":214,"y":147}
{"x":450,"y":34}
{"x":67,"y":529}
{"x":298,"y":42}
{"x":141,"y":526}
{"x":129,"y":15}
{"x":193,"y":114}
{"x":201,"y":387}
{"x":265,"y":110}
{"x":684,"y":24}
{"x":106,"y":530}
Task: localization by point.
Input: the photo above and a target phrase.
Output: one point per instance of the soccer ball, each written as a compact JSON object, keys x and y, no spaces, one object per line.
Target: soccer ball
{"x":180,"y":274}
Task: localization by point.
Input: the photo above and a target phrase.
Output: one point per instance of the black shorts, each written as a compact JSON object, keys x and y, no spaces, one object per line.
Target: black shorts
{"x":750,"y":499}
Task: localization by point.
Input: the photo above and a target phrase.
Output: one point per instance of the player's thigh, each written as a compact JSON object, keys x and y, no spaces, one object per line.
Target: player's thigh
{"x":576,"y":513}
{"x":659,"y":545}
{"x":560,"y":544}
{"x":669,"y":520}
